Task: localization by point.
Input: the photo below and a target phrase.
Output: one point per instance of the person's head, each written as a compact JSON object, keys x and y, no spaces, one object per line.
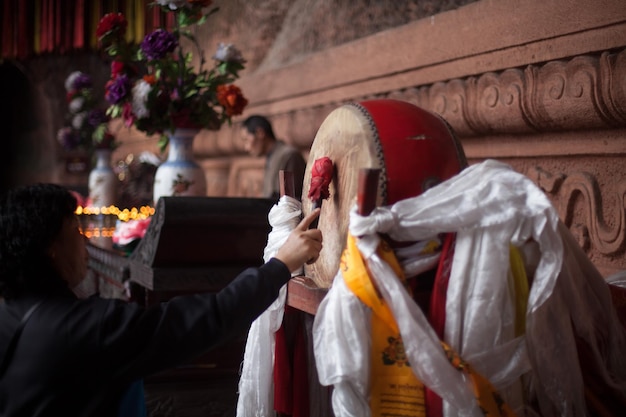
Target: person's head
{"x":41,"y":246}
{"x":258,"y":135}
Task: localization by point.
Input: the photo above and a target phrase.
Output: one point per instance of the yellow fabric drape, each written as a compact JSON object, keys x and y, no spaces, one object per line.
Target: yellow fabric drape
{"x":394,"y":388}
{"x":520,"y":286}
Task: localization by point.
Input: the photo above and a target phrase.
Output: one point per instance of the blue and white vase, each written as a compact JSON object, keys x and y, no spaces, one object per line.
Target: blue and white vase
{"x":102,"y":181}
{"x":179,"y":175}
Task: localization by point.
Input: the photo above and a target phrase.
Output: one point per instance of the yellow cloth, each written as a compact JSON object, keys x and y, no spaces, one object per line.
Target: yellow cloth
{"x":520,"y":286}
{"x":394,"y":389}
{"x":489,"y":400}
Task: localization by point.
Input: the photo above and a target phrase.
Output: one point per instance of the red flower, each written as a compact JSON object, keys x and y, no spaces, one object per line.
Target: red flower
{"x":117,"y":68}
{"x":321,"y":175}
{"x":183,"y":120}
{"x":107,"y":142}
{"x":231,"y":98}
{"x":128,"y":115}
{"x":112,"y":25}
{"x":150,"y":79}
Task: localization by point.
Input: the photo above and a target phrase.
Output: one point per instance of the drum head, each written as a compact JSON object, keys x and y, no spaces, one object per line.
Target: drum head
{"x":347,"y":137}
{"x":413,"y":148}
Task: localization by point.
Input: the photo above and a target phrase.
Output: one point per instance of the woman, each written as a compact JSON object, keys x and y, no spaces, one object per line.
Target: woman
{"x":60,"y":355}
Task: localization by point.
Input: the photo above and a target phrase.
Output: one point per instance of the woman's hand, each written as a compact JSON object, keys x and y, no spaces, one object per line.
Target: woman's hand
{"x":303,"y":245}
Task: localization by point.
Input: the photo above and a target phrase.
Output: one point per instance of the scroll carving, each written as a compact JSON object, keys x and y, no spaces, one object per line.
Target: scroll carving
{"x":584,"y":92}
{"x":607,"y":234}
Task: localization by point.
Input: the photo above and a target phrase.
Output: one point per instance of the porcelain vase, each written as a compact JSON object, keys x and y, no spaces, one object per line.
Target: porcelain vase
{"x":179,"y":175}
{"x":102,"y":181}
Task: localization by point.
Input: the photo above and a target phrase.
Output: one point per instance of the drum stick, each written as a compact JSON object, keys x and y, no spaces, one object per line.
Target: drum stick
{"x":285,"y":183}
{"x":367,"y":190}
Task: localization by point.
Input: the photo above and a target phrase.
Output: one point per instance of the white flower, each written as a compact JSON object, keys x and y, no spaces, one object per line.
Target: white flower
{"x":69,"y":81}
{"x":78,"y":120}
{"x":62,"y":133}
{"x":226,"y":52}
{"x":76,"y":104}
{"x":149,"y":158}
{"x":140,"y":99}
{"x":172,"y":4}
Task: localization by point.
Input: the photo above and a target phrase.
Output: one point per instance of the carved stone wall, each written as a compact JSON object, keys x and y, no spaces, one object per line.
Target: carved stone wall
{"x":540,"y":84}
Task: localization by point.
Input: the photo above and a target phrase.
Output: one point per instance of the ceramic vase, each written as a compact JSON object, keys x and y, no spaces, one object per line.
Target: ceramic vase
{"x":179,"y":175}
{"x":102,"y":180}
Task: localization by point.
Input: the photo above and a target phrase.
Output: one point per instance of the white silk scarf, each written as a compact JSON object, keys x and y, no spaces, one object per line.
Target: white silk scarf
{"x":490,"y":207}
{"x":256,"y":383}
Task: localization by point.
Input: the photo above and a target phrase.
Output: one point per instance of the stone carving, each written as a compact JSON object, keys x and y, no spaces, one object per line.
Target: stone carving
{"x":585,"y":92}
{"x":603,"y":232}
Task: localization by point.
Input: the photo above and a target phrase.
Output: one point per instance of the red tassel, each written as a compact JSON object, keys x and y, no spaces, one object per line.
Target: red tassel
{"x":437,"y":313}
{"x":79,"y":24}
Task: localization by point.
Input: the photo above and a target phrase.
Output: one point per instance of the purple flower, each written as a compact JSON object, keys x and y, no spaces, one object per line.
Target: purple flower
{"x":68,"y":138}
{"x":157,"y":44}
{"x":82,"y":81}
{"x":77,"y":80}
{"x":118,"y":89}
{"x":96,"y":117}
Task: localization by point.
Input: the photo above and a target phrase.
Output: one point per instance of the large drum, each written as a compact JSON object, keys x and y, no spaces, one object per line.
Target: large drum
{"x":413,"y":148}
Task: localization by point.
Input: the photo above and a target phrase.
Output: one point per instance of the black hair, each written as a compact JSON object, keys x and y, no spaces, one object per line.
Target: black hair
{"x":254,"y":122}
{"x":31,"y":218}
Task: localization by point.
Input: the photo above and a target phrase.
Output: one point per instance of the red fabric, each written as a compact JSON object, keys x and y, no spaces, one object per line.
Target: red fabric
{"x":47,"y":25}
{"x":57,"y":25}
{"x":602,"y":399}
{"x":7,"y":29}
{"x":79,"y":24}
{"x":282,"y":373}
{"x":618,"y":295}
{"x":22,"y":47}
{"x":66,"y":24}
{"x":437,"y":313}
{"x":154,"y":21}
{"x":300,"y":372}
{"x":321,"y":175}
{"x":169,"y":21}
{"x":291,"y":375}
{"x":60,"y":26}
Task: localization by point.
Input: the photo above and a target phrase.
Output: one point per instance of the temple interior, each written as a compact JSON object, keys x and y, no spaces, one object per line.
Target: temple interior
{"x":538,"y":85}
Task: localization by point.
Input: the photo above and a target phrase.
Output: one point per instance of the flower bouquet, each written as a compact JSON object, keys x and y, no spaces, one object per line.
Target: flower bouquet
{"x":86,"y":126}
{"x":154,"y":85}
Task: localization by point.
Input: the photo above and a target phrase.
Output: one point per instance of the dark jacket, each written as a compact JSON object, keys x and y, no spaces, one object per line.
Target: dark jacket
{"x":74,"y":357}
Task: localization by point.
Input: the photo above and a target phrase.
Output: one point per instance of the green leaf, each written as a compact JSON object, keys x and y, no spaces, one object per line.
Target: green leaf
{"x":190,"y":93}
{"x":202,"y":20}
{"x":114,"y":111}
{"x":163,"y":142}
{"x":222,"y":67}
{"x":99,"y":132}
{"x":212,"y":11}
